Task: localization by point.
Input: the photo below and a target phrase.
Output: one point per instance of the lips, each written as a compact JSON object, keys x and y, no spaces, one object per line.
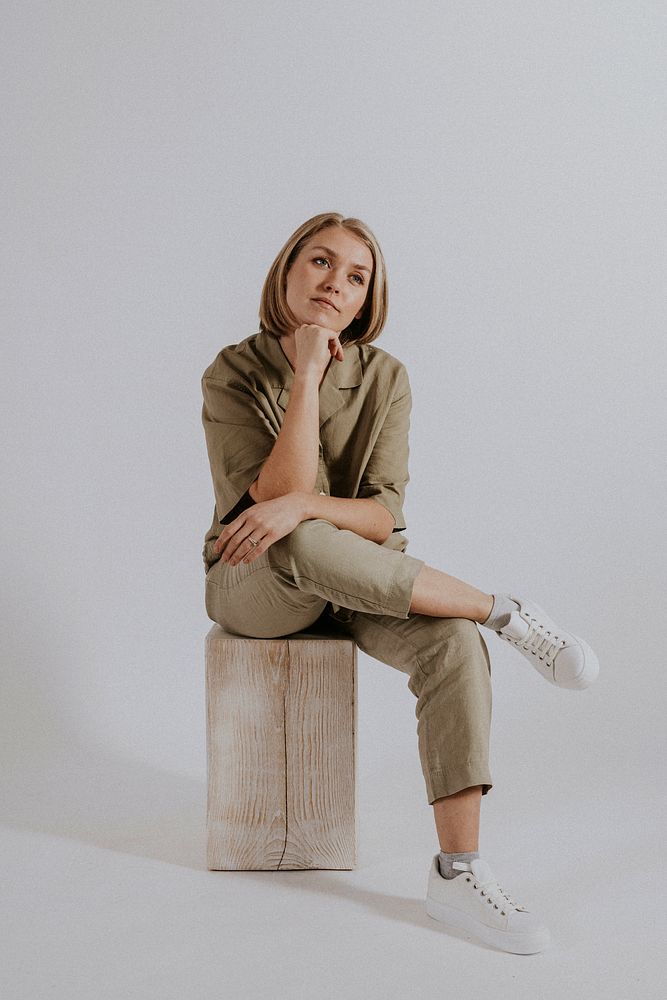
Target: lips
{"x":326,"y":302}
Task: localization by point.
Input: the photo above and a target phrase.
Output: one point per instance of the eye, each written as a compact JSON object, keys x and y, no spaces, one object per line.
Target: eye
{"x":361,"y":280}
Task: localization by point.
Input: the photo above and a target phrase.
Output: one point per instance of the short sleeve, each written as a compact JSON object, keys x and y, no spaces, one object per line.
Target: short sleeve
{"x":239,"y":439}
{"x":386,"y":473}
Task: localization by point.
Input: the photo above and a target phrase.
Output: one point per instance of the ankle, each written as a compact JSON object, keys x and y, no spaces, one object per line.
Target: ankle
{"x":485,"y":609}
{"x":446,"y":861}
{"x":502,"y":608}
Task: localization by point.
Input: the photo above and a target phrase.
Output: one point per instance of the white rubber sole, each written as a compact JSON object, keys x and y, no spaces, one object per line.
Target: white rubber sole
{"x":517,"y":943}
{"x":590,"y":671}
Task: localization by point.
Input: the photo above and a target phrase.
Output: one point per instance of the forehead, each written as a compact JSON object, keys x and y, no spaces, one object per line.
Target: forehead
{"x":342,"y":244}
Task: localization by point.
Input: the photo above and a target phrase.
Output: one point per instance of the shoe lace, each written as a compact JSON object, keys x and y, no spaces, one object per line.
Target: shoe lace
{"x":540,"y":641}
{"x":494,"y":893}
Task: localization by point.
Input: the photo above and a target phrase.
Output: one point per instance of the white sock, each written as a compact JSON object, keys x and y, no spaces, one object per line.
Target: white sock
{"x":445,"y":862}
{"x":501,"y":612}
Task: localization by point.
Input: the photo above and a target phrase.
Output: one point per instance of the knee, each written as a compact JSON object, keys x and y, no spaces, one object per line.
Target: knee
{"x":467,"y":631}
{"x":302,"y":541}
{"x":461,"y":630}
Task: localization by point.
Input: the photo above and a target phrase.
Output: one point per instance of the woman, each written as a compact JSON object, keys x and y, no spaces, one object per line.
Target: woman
{"x":306,"y":427}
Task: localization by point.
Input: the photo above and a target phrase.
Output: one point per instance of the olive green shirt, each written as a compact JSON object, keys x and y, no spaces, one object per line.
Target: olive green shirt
{"x":365,"y":404}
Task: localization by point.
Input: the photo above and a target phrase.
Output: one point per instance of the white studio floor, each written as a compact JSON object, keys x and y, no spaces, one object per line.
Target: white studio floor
{"x":105,"y":894}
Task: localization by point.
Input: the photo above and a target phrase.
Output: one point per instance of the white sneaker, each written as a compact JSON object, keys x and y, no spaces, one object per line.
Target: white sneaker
{"x":476,"y":904}
{"x":560,"y":657}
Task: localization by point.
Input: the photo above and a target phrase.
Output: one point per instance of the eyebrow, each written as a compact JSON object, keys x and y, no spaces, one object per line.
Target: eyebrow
{"x":332,"y":253}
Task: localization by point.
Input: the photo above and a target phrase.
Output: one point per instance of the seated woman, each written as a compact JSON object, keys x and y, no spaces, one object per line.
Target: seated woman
{"x":306,"y":425}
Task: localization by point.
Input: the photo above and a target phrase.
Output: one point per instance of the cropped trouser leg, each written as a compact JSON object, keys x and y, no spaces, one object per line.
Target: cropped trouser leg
{"x":367,"y":589}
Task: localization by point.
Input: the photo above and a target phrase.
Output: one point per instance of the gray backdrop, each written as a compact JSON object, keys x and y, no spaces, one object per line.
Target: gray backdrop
{"x":510,"y":158}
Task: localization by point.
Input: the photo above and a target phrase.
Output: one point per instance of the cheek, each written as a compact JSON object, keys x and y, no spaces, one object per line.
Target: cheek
{"x":361,"y":298}
{"x":296,"y":280}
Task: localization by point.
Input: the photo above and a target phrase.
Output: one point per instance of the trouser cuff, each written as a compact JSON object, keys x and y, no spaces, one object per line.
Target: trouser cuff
{"x":446,"y":781}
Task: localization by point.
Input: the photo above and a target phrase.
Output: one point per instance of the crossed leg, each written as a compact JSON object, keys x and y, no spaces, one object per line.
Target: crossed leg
{"x":400,"y":611}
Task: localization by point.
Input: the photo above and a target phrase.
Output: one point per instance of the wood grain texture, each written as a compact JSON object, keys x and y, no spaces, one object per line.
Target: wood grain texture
{"x":281,"y":740}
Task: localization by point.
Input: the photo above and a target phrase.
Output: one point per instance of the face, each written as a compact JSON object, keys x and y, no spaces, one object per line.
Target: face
{"x":334,"y":264}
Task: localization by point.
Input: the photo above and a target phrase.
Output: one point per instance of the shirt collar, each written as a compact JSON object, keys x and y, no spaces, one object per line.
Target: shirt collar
{"x":339,"y":375}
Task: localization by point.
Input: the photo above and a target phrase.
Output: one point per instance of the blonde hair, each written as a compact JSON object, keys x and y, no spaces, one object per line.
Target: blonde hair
{"x":275,"y":316}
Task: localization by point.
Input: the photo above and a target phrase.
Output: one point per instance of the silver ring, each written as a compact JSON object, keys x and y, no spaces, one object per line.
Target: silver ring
{"x":252,"y":541}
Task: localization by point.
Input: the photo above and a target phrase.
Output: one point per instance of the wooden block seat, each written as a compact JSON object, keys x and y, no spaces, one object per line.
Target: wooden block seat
{"x":281,"y":741}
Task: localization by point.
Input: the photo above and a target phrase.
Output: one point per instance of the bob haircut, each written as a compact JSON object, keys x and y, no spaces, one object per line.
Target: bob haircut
{"x":275,"y":316}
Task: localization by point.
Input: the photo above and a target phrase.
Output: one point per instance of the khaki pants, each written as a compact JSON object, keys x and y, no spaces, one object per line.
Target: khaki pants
{"x":320,"y":571}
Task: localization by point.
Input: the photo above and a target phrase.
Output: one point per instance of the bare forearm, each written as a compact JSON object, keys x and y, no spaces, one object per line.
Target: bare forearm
{"x":293,"y":462}
{"x":366,"y":517}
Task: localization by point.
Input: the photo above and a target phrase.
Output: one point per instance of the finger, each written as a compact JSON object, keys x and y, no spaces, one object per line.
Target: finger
{"x":230,"y":555}
{"x":227,"y":542}
{"x":239,"y":555}
{"x":229,"y":550}
{"x":243,"y":550}
{"x":224,"y":549}
{"x":249,"y":557}
{"x":222,"y":541}
{"x":257,"y":551}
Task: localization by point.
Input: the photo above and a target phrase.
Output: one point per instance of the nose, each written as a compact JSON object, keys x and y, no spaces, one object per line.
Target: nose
{"x":331,"y":283}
